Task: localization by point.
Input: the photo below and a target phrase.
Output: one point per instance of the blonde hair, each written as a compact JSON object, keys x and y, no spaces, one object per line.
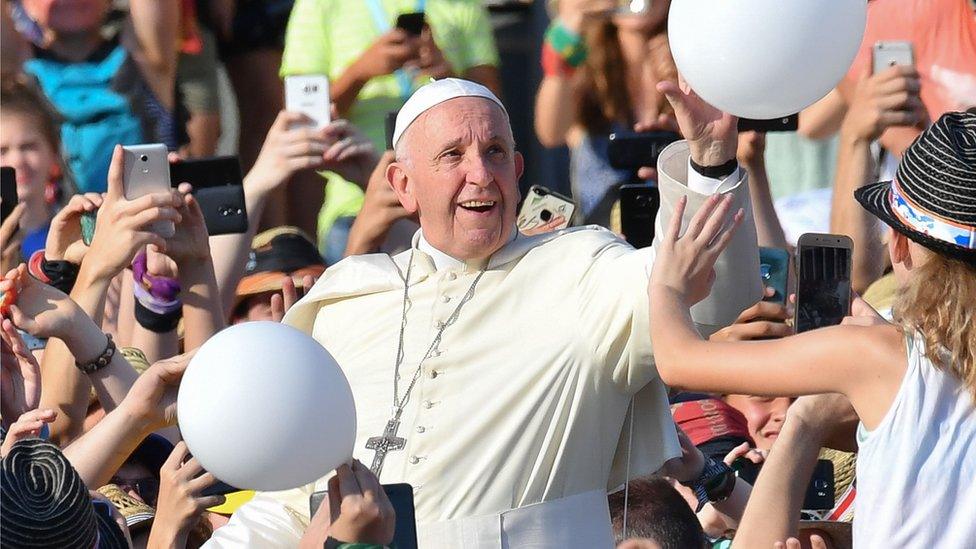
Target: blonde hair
{"x":938,"y":302}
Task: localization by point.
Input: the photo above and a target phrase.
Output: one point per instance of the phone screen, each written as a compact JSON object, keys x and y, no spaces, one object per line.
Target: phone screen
{"x":823,"y":294}
{"x":401,"y":497}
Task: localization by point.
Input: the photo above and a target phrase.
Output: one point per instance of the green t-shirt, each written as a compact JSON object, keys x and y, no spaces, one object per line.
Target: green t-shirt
{"x":326,"y":36}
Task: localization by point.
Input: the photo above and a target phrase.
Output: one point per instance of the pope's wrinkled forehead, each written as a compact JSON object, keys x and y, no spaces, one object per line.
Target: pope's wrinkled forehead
{"x":457,"y":120}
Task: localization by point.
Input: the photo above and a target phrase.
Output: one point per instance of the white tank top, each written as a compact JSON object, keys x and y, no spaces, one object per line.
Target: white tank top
{"x":916,"y":472}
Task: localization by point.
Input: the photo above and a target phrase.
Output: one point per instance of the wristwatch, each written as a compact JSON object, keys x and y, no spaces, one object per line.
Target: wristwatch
{"x":101,"y":360}
{"x":715,"y":483}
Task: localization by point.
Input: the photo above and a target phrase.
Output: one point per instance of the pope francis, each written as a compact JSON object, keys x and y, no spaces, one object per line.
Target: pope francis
{"x":509,"y":379}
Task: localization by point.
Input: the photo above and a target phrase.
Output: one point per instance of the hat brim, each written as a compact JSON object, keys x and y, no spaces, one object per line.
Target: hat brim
{"x":259,"y":283}
{"x":876,"y":198}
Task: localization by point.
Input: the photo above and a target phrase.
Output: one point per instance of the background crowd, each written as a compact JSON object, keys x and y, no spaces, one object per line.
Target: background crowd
{"x":95,"y":341}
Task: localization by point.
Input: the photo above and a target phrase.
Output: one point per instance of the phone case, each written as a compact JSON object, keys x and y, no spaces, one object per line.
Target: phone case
{"x":207,"y":172}
{"x":223,"y":209}
{"x":774,"y":268}
{"x":633,"y":150}
{"x":309,"y":95}
{"x":146,"y":171}
{"x":8,"y":191}
{"x":889,"y":54}
{"x":87,"y":221}
{"x":541,"y":205}
{"x":638,"y":212}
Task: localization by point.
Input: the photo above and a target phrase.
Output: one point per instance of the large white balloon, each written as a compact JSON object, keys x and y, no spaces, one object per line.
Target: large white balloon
{"x":764,"y":58}
{"x":264,"y":406}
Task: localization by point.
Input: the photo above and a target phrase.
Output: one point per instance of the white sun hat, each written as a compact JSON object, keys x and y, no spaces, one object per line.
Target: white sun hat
{"x":435,"y":93}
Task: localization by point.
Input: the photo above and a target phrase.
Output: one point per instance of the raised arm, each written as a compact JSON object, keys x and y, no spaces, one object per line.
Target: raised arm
{"x":861,"y":362}
{"x":156,"y":27}
{"x":880,"y":101}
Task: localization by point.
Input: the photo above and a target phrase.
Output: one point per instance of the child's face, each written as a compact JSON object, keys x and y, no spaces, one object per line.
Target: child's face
{"x":24,"y":148}
{"x":764,"y":415}
{"x":68,"y":16}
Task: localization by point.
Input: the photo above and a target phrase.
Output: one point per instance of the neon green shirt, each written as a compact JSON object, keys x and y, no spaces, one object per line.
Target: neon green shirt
{"x":326,"y":36}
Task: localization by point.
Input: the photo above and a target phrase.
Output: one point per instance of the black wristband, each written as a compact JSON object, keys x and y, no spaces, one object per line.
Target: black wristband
{"x":155,"y":322}
{"x":62,"y":274}
{"x":715,"y":172}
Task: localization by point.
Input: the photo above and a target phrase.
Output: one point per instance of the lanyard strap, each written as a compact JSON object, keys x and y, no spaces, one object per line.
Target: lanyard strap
{"x":403,"y":77}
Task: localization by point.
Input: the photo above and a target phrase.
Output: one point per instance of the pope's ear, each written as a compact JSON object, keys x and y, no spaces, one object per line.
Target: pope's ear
{"x":402,"y":186}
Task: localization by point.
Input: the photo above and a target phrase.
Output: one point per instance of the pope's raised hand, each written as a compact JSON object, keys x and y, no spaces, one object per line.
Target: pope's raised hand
{"x":711,"y":133}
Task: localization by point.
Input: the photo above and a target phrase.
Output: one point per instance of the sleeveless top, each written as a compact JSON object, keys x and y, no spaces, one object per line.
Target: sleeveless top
{"x":916,"y":472}
{"x":594,"y":182}
{"x":102,"y":100}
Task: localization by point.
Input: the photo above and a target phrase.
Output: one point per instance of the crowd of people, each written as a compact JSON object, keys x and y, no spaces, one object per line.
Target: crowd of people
{"x":551,"y":387}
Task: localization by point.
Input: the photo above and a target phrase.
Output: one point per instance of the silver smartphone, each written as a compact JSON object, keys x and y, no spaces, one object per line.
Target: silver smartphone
{"x":891,"y":53}
{"x":309,"y":95}
{"x":146,"y":172}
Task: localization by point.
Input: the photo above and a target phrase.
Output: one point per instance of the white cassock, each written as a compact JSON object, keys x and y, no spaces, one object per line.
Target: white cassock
{"x":517,"y":427}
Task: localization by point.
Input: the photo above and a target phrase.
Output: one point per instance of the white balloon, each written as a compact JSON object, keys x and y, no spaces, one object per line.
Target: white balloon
{"x":264,"y":406}
{"x":764,"y":58}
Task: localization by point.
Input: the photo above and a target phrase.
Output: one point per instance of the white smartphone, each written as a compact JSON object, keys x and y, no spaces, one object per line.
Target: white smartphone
{"x":541,"y":205}
{"x":886,"y":54}
{"x":147,"y":172}
{"x":309,"y":95}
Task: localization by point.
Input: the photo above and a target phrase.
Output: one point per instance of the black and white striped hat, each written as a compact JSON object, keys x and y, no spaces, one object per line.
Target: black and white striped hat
{"x":932,"y":198}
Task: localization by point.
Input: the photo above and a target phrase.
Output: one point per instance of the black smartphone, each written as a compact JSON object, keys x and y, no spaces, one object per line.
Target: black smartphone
{"x":401,"y":497}
{"x":638,"y":211}
{"x":632,"y":150}
{"x":823,"y":289}
{"x":820,"y":492}
{"x":784,"y":124}
{"x":774,"y":268}
{"x":390,"y":128}
{"x":218,"y":186}
{"x":8,"y":191}
{"x":413,"y":22}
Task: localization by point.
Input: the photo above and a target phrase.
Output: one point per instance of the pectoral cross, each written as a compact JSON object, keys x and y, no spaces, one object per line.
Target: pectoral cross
{"x":386,"y":443}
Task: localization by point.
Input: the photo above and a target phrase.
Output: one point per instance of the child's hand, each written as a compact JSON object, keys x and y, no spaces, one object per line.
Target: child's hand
{"x":685,"y":263}
{"x":64,"y":240}
{"x":28,"y":425}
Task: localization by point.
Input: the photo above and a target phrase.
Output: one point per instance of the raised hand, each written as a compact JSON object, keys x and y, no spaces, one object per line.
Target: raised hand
{"x":121,"y":229}
{"x":41,"y":310}
{"x":180,"y":504}
{"x":764,"y":320}
{"x":64,"y":240}
{"x":28,"y":425}
{"x":290,"y":146}
{"x":20,"y":376}
{"x":685,"y":262}
{"x":889,"y":98}
{"x":280,"y":303}
{"x":388,"y":53}
{"x":152,"y":399}
{"x":711,"y":133}
{"x":431,"y":60}
{"x":349,"y":153}
{"x":190,"y":243}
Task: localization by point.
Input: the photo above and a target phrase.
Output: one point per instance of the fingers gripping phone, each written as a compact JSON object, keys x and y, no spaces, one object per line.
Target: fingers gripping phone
{"x":146,"y":171}
{"x":886,"y":54}
{"x":541,"y":205}
{"x":219,"y":189}
{"x":309,"y":94}
{"x":823,"y":292}
{"x":401,"y":496}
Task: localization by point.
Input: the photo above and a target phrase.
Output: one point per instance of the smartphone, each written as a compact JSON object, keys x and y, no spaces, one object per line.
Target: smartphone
{"x":32,"y":343}
{"x":638,"y":211}
{"x":774,"y":268}
{"x":820,"y":492}
{"x":633,"y":150}
{"x":401,"y":497}
{"x":541,"y":205}
{"x":218,"y":186}
{"x":8,"y":191}
{"x":886,"y":54}
{"x":309,"y":95}
{"x":390,"y":128}
{"x":785,"y":124}
{"x":219,"y":489}
{"x":147,"y":171}
{"x":87,"y":221}
{"x":823,"y":289}
{"x":413,"y":22}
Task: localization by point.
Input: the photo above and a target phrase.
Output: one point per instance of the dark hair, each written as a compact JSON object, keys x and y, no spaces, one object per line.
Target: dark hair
{"x":656,"y":511}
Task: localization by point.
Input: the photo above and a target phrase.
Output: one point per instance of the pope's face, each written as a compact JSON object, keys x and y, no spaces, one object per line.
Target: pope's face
{"x":460,"y":174}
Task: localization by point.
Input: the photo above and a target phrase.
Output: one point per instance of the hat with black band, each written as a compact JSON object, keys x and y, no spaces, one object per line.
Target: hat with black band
{"x":932,"y":199}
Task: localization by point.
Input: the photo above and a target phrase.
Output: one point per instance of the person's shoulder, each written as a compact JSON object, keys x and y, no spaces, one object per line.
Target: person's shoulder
{"x":586,"y":241}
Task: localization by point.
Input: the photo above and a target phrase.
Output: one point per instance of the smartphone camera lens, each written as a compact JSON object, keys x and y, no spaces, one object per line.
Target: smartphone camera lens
{"x":144,"y":158}
{"x":545,"y":215}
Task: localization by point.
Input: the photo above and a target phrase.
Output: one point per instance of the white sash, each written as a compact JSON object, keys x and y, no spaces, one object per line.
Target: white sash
{"x":581,"y":520}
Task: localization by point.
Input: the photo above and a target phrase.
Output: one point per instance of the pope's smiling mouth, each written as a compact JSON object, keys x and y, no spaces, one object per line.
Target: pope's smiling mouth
{"x":478,"y":206}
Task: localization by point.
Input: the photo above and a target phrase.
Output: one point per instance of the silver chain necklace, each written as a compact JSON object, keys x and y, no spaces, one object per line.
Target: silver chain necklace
{"x":388,"y":442}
